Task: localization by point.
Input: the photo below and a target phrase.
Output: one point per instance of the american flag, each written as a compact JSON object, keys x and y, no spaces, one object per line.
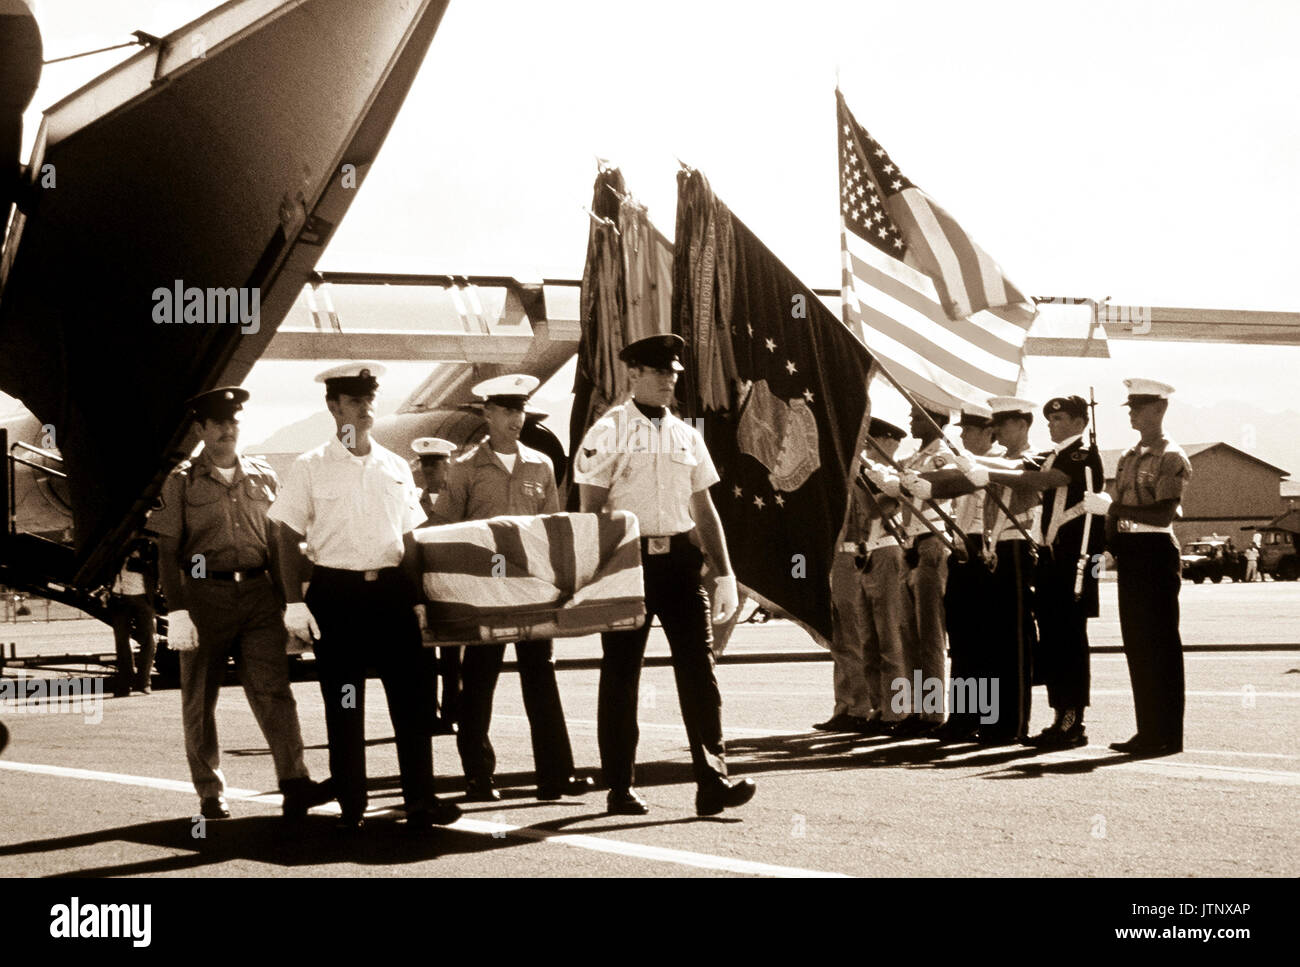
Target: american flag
{"x":930,"y":304}
{"x":524,"y":578}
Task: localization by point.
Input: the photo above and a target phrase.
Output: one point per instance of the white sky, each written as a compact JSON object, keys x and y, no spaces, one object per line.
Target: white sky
{"x":1145,"y":151}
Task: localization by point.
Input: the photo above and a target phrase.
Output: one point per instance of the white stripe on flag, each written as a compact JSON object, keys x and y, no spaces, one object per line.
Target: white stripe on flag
{"x":945,"y":363}
{"x":586,"y":548}
{"x":966,"y":339}
{"x":486,"y":591}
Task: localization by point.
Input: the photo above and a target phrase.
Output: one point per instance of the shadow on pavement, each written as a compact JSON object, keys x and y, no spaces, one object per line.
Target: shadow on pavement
{"x":261,"y":839}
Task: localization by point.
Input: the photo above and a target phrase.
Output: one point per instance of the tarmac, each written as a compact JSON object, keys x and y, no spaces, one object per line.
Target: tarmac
{"x":103,"y":790}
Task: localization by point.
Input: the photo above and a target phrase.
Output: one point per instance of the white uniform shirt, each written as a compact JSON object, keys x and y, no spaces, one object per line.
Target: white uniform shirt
{"x":352,"y":510}
{"x":653,"y":471}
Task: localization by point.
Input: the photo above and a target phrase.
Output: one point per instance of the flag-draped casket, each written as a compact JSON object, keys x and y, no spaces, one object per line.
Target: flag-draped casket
{"x":523,"y":578}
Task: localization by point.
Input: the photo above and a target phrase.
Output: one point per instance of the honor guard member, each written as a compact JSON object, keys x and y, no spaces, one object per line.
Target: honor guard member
{"x":1012,"y":634}
{"x":216,"y":551}
{"x":879,"y":610}
{"x":434,"y":455}
{"x":1139,"y":528}
{"x":1067,"y":500}
{"x":640,"y":458}
{"x":498,"y":477}
{"x":355,"y":505}
{"x":927,"y":576}
{"x":966,"y":595}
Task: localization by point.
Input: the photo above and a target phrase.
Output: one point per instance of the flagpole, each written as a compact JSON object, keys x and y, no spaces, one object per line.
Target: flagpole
{"x":998,"y":502}
{"x":886,"y":520}
{"x":958,"y":534}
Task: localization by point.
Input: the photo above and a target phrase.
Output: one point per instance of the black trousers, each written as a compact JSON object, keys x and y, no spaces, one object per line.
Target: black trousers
{"x":1062,"y":633}
{"x":965,"y":609}
{"x":1149,"y":582}
{"x":480,"y":668}
{"x":674,"y":593}
{"x":372,"y":624}
{"x":1009,"y":612}
{"x":132,"y":613}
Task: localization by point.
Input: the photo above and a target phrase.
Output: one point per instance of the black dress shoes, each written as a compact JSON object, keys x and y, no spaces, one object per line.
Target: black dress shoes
{"x":301,"y":794}
{"x":912,"y":727}
{"x":1052,"y":738}
{"x":350,"y":825}
{"x":715,"y":797}
{"x":995,"y":739}
{"x":572,"y":786}
{"x":843,"y":722}
{"x":625,"y":802}
{"x":954,"y":730}
{"x":214,"y":807}
{"x":1147,"y":748}
{"x":481,"y":790}
{"x":874,"y":727}
{"x":438,"y":813}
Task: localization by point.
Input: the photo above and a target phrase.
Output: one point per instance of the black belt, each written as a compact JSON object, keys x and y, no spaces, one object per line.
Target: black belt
{"x":665,"y":544}
{"x":347,"y":574}
{"x":247,"y":574}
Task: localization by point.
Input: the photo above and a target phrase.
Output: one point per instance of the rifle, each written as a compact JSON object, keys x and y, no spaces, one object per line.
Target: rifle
{"x":1082,"y":566}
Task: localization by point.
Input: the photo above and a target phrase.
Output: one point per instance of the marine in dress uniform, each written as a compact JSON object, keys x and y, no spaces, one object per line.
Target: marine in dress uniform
{"x":1012,"y":633}
{"x":1070,"y":477}
{"x":970,"y":582}
{"x":434,"y":455}
{"x":1139,"y":529}
{"x":640,"y":458}
{"x":500,"y":476}
{"x":216,"y":551}
{"x":356,"y":506}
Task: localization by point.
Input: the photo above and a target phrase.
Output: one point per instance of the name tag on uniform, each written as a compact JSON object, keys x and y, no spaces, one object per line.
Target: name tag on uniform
{"x":658,"y":545}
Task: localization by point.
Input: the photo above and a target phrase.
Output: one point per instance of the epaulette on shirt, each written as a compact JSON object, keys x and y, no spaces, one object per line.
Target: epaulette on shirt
{"x":261,"y":465}
{"x":471,"y":453}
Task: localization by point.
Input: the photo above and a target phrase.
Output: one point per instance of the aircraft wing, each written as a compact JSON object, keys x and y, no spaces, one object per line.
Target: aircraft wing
{"x":219,"y":159}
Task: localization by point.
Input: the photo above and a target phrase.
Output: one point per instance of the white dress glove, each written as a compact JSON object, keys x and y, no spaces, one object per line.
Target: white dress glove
{"x":1096,"y":503}
{"x":915,"y":485}
{"x":726,"y":599}
{"x":181,"y":633}
{"x":299,"y":622}
{"x":972,"y":471}
{"x":889,"y":486}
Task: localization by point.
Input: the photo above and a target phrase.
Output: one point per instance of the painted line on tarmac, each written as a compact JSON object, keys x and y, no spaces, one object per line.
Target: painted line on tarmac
{"x":1187,"y":770}
{"x":1234,"y":693}
{"x":677,"y":727}
{"x":658,"y":854}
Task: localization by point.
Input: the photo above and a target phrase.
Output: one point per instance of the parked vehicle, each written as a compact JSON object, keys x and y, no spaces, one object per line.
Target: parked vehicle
{"x":1213,"y":557}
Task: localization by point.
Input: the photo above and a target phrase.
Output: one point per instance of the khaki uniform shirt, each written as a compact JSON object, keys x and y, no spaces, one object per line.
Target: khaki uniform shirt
{"x":479,"y":486}
{"x":224,"y":522}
